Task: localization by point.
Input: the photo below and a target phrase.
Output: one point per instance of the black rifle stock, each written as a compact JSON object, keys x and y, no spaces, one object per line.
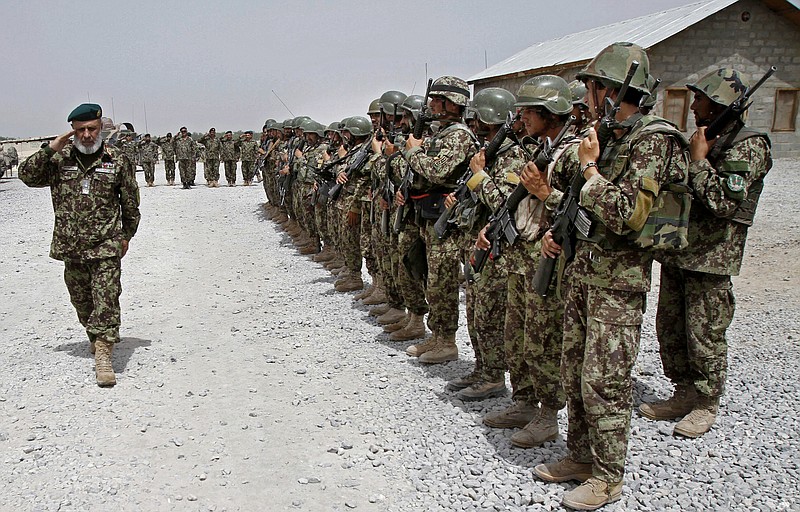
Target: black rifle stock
{"x":422,"y":120}
{"x":359,"y":159}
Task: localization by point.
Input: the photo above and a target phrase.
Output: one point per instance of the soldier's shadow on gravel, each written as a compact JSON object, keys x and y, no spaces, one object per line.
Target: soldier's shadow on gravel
{"x":121,"y":355}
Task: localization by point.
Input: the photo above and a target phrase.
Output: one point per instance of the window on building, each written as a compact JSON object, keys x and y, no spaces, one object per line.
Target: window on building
{"x":676,"y":107}
{"x":783,"y":119}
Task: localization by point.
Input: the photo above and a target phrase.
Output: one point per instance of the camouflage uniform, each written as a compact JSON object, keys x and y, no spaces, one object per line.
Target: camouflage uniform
{"x":307,"y":166}
{"x":186,"y":152}
{"x":353,"y":197}
{"x":229,"y":154}
{"x":168,"y":154}
{"x":248,"y":149}
{"x":95,"y":210}
{"x":211,"y":164}
{"x":149,"y":158}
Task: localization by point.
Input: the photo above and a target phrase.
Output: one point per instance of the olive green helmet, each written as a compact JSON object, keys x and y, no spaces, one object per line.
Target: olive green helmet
{"x":723,"y":85}
{"x":278,"y":125}
{"x":391,"y":101}
{"x":298,"y":121}
{"x":610,"y":67}
{"x":452,"y":88}
{"x":492,"y":105}
{"x":578,"y":90}
{"x":333,"y":127}
{"x":548,"y":91}
{"x":359,"y":126}
{"x":311,"y":126}
{"x":269,"y":122}
{"x":413,"y":104}
{"x":374,"y":106}
{"x":287,"y":123}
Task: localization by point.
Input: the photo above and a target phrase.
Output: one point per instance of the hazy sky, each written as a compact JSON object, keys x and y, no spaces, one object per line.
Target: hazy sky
{"x":215,"y":63}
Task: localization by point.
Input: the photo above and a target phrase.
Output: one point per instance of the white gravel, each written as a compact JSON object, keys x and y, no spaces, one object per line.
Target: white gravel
{"x":246,"y":383}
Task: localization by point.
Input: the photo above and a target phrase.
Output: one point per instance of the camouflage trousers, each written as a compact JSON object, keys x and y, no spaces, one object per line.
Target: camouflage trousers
{"x":385,"y":254}
{"x":169,"y":168}
{"x":305,"y":210}
{"x":187,"y":169}
{"x":350,"y":240}
{"x":248,"y":170}
{"x":366,"y":242}
{"x":601,"y":342}
{"x":412,"y":290}
{"x":230,"y":171}
{"x":444,"y":260}
{"x":149,"y":171}
{"x":321,"y":220}
{"x":94,"y":288}
{"x":211,"y":170}
{"x":694,"y":312}
{"x":486,"y":306}
{"x":533,"y":335}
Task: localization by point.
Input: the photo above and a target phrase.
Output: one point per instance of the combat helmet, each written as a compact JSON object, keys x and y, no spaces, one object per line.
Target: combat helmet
{"x":391,"y":101}
{"x":453,"y":88}
{"x":548,"y":91}
{"x":298,"y":121}
{"x":723,"y":85}
{"x":333,"y":127}
{"x":412,"y":104}
{"x":610,"y":67}
{"x":358,"y":126}
{"x":269,"y":122}
{"x":578,"y":90}
{"x":311,"y":126}
{"x":374,"y":107}
{"x":491,"y":105}
{"x":287,"y":123}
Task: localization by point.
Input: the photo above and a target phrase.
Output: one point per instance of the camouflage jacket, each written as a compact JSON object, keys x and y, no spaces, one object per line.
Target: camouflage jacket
{"x":149,"y":151}
{"x":275,"y":157}
{"x":356,"y":190}
{"x":442,"y":158}
{"x":167,"y":148}
{"x":129,"y":149}
{"x":228,"y":151}
{"x":616,"y":200}
{"x":212,"y":147}
{"x":95,"y":209}
{"x":185,"y":148}
{"x":248,"y":150}
{"x":307,"y":165}
{"x":716,"y":240}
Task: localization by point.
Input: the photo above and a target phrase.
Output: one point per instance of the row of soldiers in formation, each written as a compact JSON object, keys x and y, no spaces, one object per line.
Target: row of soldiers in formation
{"x":187,"y":151}
{"x":571,"y":200}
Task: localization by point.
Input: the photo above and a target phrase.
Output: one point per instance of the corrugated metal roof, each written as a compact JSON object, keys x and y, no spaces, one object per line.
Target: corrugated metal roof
{"x":645,"y":31}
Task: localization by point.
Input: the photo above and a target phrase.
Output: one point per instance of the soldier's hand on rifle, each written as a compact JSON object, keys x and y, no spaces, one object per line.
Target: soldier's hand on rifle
{"x":326,"y":156}
{"x":284,"y":170}
{"x":589,"y":151}
{"x":353,"y":219}
{"x":261,"y":151}
{"x":698,"y":145}
{"x":124,"y":247}
{"x":316,"y":186}
{"x":482,"y":242}
{"x":389,"y":149}
{"x":377,"y":145}
{"x":298,"y":153}
{"x":450,"y":200}
{"x":399,"y":200}
{"x":59,"y":142}
{"x":413,"y":142}
{"x":478,"y":162}
{"x":534,"y":181}
{"x":550,"y":249}
{"x":342,"y":151}
{"x":341,"y":179}
{"x":384,"y":203}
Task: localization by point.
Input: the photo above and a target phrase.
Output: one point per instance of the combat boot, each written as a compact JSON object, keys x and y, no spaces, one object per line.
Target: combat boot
{"x":392,"y":316}
{"x":413,"y":330}
{"x":420,"y":348}
{"x":380,"y":309}
{"x":366,"y":292}
{"x":542,"y":428}
{"x":515,"y":416}
{"x":334,"y":263}
{"x":592,"y":494}
{"x":311,"y":248}
{"x":444,"y":351}
{"x":700,"y":420}
{"x":376,"y":297}
{"x":466,"y":381}
{"x":397,"y":325}
{"x":104,"y":372}
{"x":482,"y":390}
{"x":564,"y":470}
{"x":340,"y":271}
{"x":678,"y":405}
{"x":325,"y":255}
{"x":350,"y":283}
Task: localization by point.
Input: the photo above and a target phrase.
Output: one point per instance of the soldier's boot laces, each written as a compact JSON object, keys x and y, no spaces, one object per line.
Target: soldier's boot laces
{"x":104,"y":372}
{"x":516,"y":416}
{"x":564,"y":470}
{"x":542,"y":428}
{"x":397,"y":325}
{"x":680,"y":404}
{"x":420,"y":348}
{"x":414,"y":329}
{"x":444,"y":351}
{"x":393,"y":315}
{"x":700,"y":420}
{"x":482,"y":390}
{"x":592,"y":494}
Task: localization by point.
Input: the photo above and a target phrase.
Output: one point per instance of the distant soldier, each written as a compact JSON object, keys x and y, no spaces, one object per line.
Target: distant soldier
{"x":186,"y":151}
{"x":211,"y":163}
{"x":248,"y":148}
{"x":229,"y":154}
{"x":167,"y":145}
{"x":96,"y":200}
{"x":696,"y":303}
{"x":149,"y":150}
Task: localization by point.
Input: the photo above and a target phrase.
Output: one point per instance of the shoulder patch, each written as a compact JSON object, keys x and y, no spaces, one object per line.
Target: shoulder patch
{"x":735,"y":183}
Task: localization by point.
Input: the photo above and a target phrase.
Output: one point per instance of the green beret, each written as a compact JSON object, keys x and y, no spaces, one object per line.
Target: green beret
{"x":85,"y":112}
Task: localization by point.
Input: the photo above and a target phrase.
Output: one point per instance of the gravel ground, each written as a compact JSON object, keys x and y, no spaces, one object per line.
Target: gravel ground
{"x":246,"y":383}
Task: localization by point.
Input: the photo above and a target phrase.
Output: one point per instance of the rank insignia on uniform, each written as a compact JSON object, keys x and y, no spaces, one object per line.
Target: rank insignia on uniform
{"x":735,"y":183}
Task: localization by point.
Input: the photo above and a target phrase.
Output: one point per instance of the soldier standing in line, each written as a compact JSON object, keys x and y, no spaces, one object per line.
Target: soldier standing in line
{"x":211,"y":164}
{"x":96,"y":201}
{"x":248,"y":149}
{"x":229,"y":153}
{"x":609,"y":276}
{"x":186,"y":151}
{"x":149,"y":150}
{"x":167,"y":145}
{"x":696,"y":303}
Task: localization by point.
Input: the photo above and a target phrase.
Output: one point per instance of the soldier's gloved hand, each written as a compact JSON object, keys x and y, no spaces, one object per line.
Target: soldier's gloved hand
{"x":482,"y":242}
{"x":698,"y":145}
{"x":59,"y":142}
{"x":478,"y":162}
{"x":534,"y":181}
{"x":550,"y":249}
{"x":450,"y":200}
{"x":353,"y":219}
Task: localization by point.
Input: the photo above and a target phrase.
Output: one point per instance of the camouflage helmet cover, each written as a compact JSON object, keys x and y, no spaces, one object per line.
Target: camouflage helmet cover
{"x":578,"y":90}
{"x":548,"y":91}
{"x":391,"y":99}
{"x":722,"y":85}
{"x":492,"y":105}
{"x":374,"y":106}
{"x":611,"y":65}
{"x":359,"y":126}
{"x":453,"y":88}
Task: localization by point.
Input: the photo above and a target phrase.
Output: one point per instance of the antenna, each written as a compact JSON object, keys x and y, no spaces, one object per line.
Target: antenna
{"x":145,"y":118}
{"x":282,"y":103}
{"x":485,"y":59}
{"x":426,"y":71}
{"x":113,"y":115}
{"x":413,"y":87}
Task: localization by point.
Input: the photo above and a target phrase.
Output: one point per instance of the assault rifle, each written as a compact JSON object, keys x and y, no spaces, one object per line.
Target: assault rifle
{"x":569,"y":215}
{"x":359,"y":159}
{"x":424,"y":117}
{"x":732,"y":116}
{"x":444,"y":223}
{"x":404,"y":187}
{"x":501,"y":227}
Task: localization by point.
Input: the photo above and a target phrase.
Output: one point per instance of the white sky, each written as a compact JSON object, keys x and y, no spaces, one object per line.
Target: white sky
{"x":210,"y":63}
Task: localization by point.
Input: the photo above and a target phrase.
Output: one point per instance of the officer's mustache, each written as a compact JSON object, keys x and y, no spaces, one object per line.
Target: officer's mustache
{"x":87,"y":150}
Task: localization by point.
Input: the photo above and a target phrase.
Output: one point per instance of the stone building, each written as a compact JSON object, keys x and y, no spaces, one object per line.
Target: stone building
{"x":684,"y":44}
